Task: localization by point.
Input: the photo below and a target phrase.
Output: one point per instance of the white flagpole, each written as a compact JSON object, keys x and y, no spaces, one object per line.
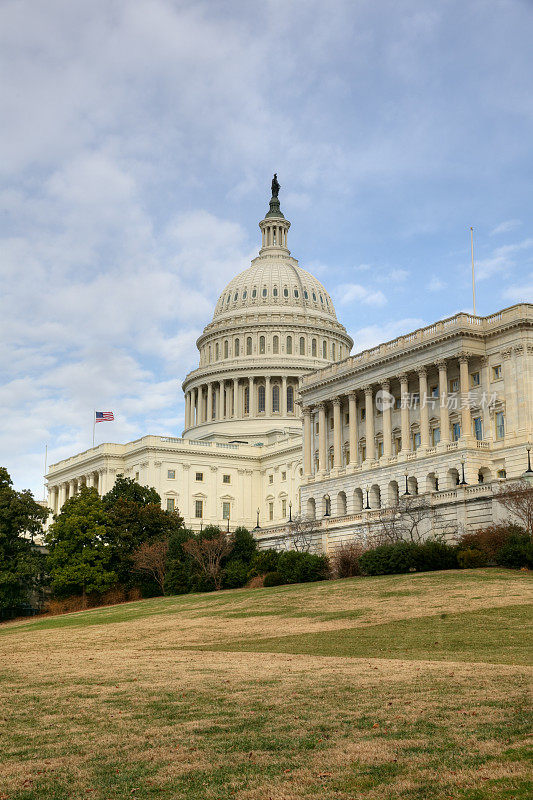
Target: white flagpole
{"x":473,"y":278}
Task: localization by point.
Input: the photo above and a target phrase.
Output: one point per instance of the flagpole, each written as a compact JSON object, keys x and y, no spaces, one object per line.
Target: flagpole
{"x":94,"y":423}
{"x":45,"y":464}
{"x":473,"y":278}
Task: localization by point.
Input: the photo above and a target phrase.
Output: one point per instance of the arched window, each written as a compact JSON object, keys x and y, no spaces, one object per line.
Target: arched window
{"x":249,"y":346}
{"x":275,"y":398}
{"x":296,"y":293}
{"x":264,"y":291}
{"x":275,"y":291}
{"x":306,"y":294}
{"x":289,"y":345}
{"x":285,"y":292}
{"x":237,"y":347}
{"x":324,"y":349}
{"x":244,"y":295}
{"x":226,"y":349}
{"x":333,"y":351}
{"x":302,"y":346}
{"x":275,"y":344}
{"x":261,"y":344}
{"x":217,"y":353}
{"x":290,"y":399}
{"x":247,"y":400}
{"x":254,"y":293}
{"x":210,"y":354}
{"x":261,"y":398}
{"x":314,"y":297}
{"x":235,"y":297}
{"x":313,"y":348}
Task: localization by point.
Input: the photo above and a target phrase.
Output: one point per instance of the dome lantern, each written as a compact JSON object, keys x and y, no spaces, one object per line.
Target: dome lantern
{"x":274,"y":227}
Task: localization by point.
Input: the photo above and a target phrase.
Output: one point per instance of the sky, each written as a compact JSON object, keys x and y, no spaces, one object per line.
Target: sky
{"x":137,"y":144}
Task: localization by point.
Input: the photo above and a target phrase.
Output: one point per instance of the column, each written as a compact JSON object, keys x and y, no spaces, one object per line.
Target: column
{"x":387,"y":420}
{"x":485,"y":398}
{"x":322,"y":459}
{"x":337,"y":444}
{"x":187,"y":423}
{"x":466,"y":417}
{"x":209,"y":415}
{"x":203,"y":414}
{"x":236,"y":398}
{"x":71,"y":491}
{"x":352,"y":423}
{"x":220,"y":404}
{"x":404,"y":391}
{"x":268,"y":397}
{"x":252,"y":398}
{"x":196,"y":405}
{"x":369,"y":425}
{"x":443,"y":397}
{"x":62,"y":495}
{"x":424,"y":408}
{"x":509,"y":390}
{"x":307,"y":442}
{"x":283,"y":399}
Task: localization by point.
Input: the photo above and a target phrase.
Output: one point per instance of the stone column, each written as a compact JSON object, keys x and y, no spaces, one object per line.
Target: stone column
{"x":509,"y":388}
{"x":387,"y":421}
{"x":404,"y":391}
{"x":236,"y":399}
{"x":71,"y":489}
{"x":209,"y":414}
{"x":352,"y":424}
{"x":322,"y":455}
{"x":268,"y":397}
{"x":307,"y":442}
{"x":466,"y":417}
{"x":252,"y":399}
{"x":424,"y":409}
{"x":283,"y":398}
{"x":62,"y":494}
{"x":187,"y":410}
{"x":220,"y":407}
{"x":443,"y":398}
{"x":369,"y":425}
{"x":337,"y":442}
{"x":485,"y":396}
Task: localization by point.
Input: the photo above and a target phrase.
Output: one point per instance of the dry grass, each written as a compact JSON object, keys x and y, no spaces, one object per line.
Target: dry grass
{"x":122,"y":707}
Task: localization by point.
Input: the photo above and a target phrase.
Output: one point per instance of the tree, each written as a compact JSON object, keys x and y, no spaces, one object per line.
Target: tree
{"x":208,"y":553}
{"x":517,"y":498}
{"x":411,"y":520}
{"x":301,"y":533}
{"x":151,"y":557}
{"x":128,"y":489}
{"x":20,"y":563}
{"x":80,"y":558}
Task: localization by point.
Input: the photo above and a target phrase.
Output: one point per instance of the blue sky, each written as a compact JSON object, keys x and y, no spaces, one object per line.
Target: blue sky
{"x":138,"y":139}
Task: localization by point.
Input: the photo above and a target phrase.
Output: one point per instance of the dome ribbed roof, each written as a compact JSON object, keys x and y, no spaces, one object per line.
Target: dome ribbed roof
{"x":274,"y":282}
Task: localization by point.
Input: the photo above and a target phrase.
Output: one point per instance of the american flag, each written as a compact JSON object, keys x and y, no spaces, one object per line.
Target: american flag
{"x":104,"y":416}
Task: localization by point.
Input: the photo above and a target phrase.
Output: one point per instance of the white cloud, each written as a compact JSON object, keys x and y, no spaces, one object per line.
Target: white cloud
{"x":348,"y":293}
{"x":371,"y":335}
{"x":506,"y":226}
{"x":502,"y":260}
{"x":436,"y":284}
{"x":398,"y":275}
{"x":520,"y":292}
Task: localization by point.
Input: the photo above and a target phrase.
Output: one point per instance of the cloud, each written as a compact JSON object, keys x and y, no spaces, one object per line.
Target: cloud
{"x":348,"y":293}
{"x":372,"y":335}
{"x":436,"y":284}
{"x":398,"y":275}
{"x":502,"y":259}
{"x":520,"y":292}
{"x":506,"y":226}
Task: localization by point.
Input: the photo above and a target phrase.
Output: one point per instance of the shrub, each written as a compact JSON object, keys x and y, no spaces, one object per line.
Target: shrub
{"x":471,"y":559}
{"x":263,"y":561}
{"x":433,"y":555}
{"x":273,"y":579}
{"x":517,"y":552}
{"x":489,"y":540}
{"x":401,"y":557}
{"x":345,"y":560}
{"x":235,"y":574}
{"x":297,"y":567}
{"x":244,"y":546}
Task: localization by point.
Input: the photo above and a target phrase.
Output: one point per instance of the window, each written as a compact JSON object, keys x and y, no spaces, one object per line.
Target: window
{"x":198,"y":509}
{"x":275,"y":344}
{"x":235,"y":297}
{"x":363,"y":452}
{"x":226,"y":349}
{"x":333,"y":352}
{"x":398,"y":403}
{"x":275,"y":291}
{"x":210,"y":354}
{"x":217,"y":352}
{"x":331,"y":459}
{"x":275,"y":398}
{"x":283,"y":476}
{"x":456,"y":431}
{"x":435,"y":436}
{"x":478,"y":428}
{"x":264,"y":292}
{"x":247,"y":400}
{"x":214,"y":406}
{"x":380,"y":449}
{"x":500,"y":425}
{"x":244,"y":295}
{"x":290,"y":399}
{"x":171,"y":504}
{"x":271,"y":478}
{"x":324,"y":349}
{"x":249,"y":346}
{"x":171,"y":474}
{"x":454,"y":385}
{"x":225,"y":510}
{"x":302,"y":346}
{"x":497,"y":372}
{"x":285,"y":292}
{"x":289,"y":345}
{"x":434,"y":391}
{"x":237,"y":347}
{"x":284,"y":508}
{"x":306,"y":294}
{"x":314,"y":297}
{"x":397,"y":445}
{"x":296,"y":293}
{"x":271,"y":511}
{"x":226,"y":479}
{"x":416,"y":441}
{"x":331,"y":423}
{"x":501,"y":473}
{"x":261,"y":396}
{"x":262,"y":344}
{"x":474,"y":379}
{"x":199,"y":476}
{"x":137,"y":477}
{"x":346,"y":419}
{"x":313,"y":348}
{"x":254,"y":293}
{"x":363,"y":414}
{"x":321,"y":299}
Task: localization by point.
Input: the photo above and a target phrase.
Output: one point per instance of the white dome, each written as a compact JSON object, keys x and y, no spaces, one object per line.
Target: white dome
{"x":277,"y":282}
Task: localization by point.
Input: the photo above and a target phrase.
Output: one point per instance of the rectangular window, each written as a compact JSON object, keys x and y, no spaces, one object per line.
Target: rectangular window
{"x":496,"y":372}
{"x":171,"y":474}
{"x":478,"y":428}
{"x":500,"y":425}
{"x":454,"y":385}
{"x":474,"y":378}
{"x":331,"y":423}
{"x":271,"y":511}
{"x":225,"y":510}
{"x":435,"y":436}
{"x":283,"y":508}
{"x":171,"y":504}
{"x":363,"y":413}
{"x":363,"y":453}
{"x":416,"y":441}
{"x":501,"y":473}
{"x":283,"y":476}
{"x":434,"y":391}
{"x":198,"y":509}
{"x":199,"y":476}
{"x":271,"y":479}
{"x":346,"y":419}
{"x":456,"y":431}
{"x":380,"y":449}
{"x":226,"y":479}
{"x":398,"y":403}
{"x":397,"y":445}
{"x":331,"y":460}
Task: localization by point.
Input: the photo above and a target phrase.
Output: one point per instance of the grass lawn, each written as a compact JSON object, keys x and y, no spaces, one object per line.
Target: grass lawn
{"x":413,"y":686}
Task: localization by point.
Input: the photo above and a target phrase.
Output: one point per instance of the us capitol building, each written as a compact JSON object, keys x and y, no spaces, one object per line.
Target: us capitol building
{"x":281,"y":422}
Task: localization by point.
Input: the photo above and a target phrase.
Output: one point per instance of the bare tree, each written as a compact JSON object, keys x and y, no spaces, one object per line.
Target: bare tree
{"x":151,"y":557}
{"x":411,"y":520}
{"x":209,"y":553}
{"x":301,"y":533}
{"x":517,"y":498}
